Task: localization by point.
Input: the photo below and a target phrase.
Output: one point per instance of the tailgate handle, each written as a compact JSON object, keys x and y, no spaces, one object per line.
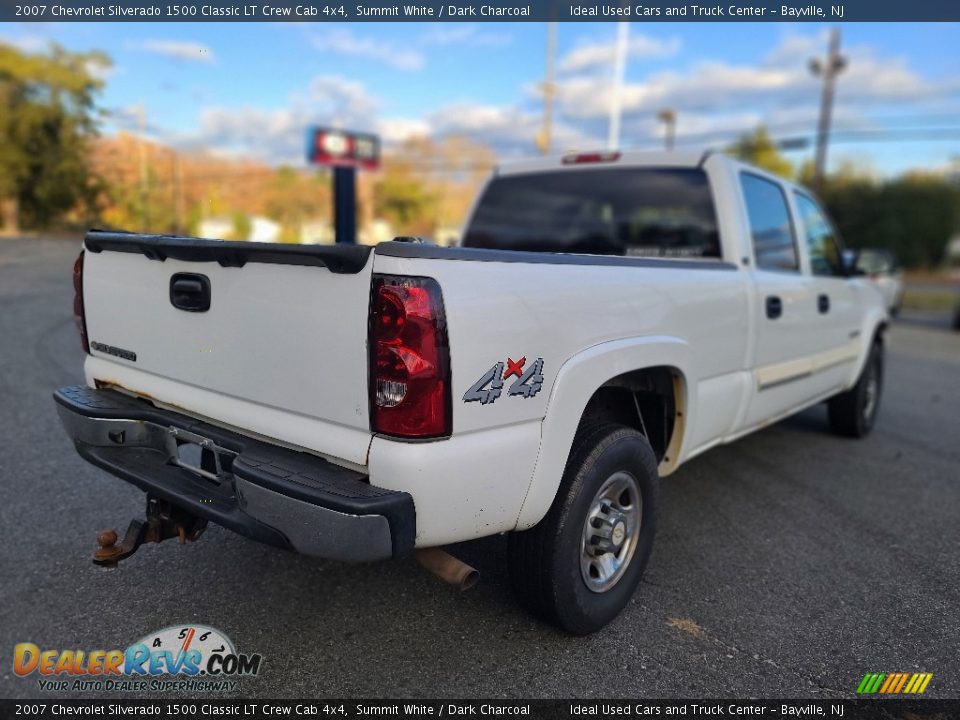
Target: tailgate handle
{"x":190,"y":292}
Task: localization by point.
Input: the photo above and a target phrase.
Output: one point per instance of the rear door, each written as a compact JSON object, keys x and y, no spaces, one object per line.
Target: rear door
{"x":784,"y":301}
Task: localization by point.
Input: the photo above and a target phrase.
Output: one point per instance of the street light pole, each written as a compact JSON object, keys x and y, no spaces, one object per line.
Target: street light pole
{"x":549,"y":91}
{"x":619,"y":69}
{"x":668,"y":117}
{"x":834,"y":65}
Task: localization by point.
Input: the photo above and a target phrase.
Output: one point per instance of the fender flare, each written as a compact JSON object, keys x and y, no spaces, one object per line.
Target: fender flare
{"x":576,"y":382}
{"x":874,"y":325}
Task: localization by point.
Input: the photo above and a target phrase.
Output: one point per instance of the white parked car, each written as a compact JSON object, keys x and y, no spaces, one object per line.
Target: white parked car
{"x":607,"y":318}
{"x":881,"y":267}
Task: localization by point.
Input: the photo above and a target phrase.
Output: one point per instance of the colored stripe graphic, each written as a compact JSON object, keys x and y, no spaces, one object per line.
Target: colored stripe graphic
{"x":870,"y":683}
{"x":901,"y":683}
{"x":894,"y":683}
{"x":890,"y":682}
{"x":914,"y":683}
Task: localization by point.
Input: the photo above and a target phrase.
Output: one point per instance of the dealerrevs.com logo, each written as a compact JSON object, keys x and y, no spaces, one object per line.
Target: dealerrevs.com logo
{"x":191,"y":658}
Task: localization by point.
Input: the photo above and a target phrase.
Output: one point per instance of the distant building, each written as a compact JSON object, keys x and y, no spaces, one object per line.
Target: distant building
{"x":377,"y":231}
{"x":261,"y":229}
{"x":317,"y":232}
{"x":219,"y":228}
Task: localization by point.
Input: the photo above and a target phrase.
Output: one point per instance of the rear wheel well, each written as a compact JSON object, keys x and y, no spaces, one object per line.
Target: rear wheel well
{"x":647,"y":400}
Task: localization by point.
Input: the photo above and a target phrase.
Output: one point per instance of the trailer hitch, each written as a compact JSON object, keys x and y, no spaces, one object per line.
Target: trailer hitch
{"x":163,"y":521}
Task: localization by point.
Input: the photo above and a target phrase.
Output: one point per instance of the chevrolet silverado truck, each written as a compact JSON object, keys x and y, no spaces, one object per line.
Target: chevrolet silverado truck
{"x":605,"y":318}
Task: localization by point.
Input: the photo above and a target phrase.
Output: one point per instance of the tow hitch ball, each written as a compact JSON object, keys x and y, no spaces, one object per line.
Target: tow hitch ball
{"x":163,"y":521}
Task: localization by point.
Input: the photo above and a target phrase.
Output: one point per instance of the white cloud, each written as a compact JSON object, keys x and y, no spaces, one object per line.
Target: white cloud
{"x":509,"y":129}
{"x":396,"y":130}
{"x":344,"y":101}
{"x":780,"y":88}
{"x":278,"y":135}
{"x":27,"y":43}
{"x":344,"y":42}
{"x":593,"y":55}
{"x":177,"y":49}
{"x":716,"y":100}
{"x":464,"y":35}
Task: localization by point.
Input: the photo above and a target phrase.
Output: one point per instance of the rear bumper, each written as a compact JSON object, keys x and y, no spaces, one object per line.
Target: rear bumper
{"x":271,"y":494}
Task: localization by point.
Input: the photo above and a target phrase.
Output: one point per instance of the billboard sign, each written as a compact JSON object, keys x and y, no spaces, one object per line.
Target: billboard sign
{"x":342,"y":148}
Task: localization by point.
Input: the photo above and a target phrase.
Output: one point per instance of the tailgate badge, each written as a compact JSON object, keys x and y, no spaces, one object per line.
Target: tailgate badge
{"x":115,"y":351}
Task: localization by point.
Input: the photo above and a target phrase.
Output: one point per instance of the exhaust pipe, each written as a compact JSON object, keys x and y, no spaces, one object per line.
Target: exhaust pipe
{"x":448,"y":568}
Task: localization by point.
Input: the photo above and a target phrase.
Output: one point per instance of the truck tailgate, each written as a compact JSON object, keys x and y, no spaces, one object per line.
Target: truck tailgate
{"x":281,"y":351}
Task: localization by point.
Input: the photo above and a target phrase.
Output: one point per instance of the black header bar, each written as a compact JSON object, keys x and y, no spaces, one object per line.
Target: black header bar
{"x":206,"y":707}
{"x":833,"y":11}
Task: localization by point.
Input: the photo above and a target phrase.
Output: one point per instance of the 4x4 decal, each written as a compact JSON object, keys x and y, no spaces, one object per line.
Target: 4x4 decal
{"x":490,"y":386}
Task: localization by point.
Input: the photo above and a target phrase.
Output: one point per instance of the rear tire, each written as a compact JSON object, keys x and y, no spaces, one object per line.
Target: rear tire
{"x":580,"y":566}
{"x":854,"y":412}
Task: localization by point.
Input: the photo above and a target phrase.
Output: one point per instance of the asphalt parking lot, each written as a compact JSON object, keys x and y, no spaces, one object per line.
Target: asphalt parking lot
{"x":788,"y":564}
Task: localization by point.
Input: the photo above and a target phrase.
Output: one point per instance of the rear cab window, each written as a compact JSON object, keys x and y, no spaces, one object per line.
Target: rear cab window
{"x":636,"y":212}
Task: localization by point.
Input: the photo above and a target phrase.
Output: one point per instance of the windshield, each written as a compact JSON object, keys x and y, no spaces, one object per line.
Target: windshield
{"x":612,"y":211}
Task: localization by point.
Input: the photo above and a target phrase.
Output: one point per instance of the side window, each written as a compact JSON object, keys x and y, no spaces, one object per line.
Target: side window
{"x":821,"y":239}
{"x":773,"y":242}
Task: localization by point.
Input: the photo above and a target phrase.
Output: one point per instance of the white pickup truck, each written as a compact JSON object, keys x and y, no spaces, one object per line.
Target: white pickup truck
{"x":608,"y":317}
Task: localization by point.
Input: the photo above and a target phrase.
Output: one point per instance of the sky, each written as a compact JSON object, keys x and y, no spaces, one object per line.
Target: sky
{"x":250,"y":90}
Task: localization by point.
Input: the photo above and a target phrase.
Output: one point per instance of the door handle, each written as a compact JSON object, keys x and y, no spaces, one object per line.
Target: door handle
{"x":190,"y":292}
{"x":774,"y":307}
{"x":823,"y":303}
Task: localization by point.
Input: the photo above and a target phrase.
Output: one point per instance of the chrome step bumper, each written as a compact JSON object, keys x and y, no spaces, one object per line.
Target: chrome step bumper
{"x":268,"y":493}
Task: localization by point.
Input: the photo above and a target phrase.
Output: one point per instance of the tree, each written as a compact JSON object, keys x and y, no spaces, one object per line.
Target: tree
{"x":758,"y":148}
{"x":47,"y":120}
{"x":403,"y":199}
{"x":293,"y":197}
{"x":241,"y":226}
{"x":914,"y":215}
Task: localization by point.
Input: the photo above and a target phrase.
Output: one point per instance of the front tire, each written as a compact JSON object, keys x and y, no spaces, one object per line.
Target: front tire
{"x":854,"y":412}
{"x":580,"y":566}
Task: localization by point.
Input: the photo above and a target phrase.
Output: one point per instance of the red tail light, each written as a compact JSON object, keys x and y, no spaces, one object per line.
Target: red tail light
{"x":409,"y":358}
{"x":79,"y":316}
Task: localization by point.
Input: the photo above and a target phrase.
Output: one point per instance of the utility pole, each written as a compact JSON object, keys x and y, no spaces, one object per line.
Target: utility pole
{"x":549,"y":91}
{"x":828,"y":70}
{"x":668,"y":117}
{"x":144,"y":174}
{"x":619,"y":68}
{"x":178,"y":191}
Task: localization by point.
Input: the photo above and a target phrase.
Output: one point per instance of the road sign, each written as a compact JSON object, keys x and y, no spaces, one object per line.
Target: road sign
{"x":342,"y":148}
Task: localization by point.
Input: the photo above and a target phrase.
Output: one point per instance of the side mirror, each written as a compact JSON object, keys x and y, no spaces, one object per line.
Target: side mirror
{"x":848,"y":263}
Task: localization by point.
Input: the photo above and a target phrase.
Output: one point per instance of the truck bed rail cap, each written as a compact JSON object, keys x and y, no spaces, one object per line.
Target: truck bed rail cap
{"x":435,"y":252}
